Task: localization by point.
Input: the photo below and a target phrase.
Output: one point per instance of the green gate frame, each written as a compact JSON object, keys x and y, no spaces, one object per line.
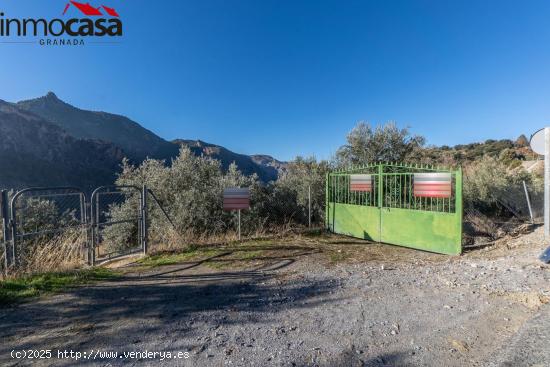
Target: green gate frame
{"x":391,"y":213}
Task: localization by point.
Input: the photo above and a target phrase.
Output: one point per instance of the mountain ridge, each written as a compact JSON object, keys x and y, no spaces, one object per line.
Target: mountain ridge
{"x":105,"y":138}
{"x":35,"y":152}
{"x":246,"y":163}
{"x":137,"y":141}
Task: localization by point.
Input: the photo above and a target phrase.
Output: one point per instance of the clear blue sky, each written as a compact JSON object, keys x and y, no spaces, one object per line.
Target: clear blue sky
{"x":293,"y":77}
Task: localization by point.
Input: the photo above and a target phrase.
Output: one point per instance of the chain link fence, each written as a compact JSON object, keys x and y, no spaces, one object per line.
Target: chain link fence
{"x":519,"y":205}
{"x":43,"y":228}
{"x":53,"y":229}
{"x":524,"y":202}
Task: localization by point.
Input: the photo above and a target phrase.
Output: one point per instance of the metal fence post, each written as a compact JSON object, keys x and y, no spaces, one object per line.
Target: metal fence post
{"x":309,"y":205}
{"x":91,"y":250}
{"x":547,"y":182}
{"x":5,"y":223}
{"x":528,"y":198}
{"x":144,"y":232}
{"x":13,"y":229}
{"x":94,"y":231}
{"x":459,"y":203}
{"x":380,"y":194}
{"x":239,"y":215}
{"x":84,"y":222}
{"x":327,"y":219}
{"x":89,"y":230}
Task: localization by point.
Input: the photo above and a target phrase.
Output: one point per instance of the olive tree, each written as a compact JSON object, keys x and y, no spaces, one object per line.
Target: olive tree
{"x":384,"y":143}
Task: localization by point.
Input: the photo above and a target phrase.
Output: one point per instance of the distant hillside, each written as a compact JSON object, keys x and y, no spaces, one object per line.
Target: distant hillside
{"x":266,"y":167}
{"x":136,"y":141}
{"x":46,"y":141}
{"x":510,"y":152}
{"x":34,"y":152}
{"x":269,"y":161}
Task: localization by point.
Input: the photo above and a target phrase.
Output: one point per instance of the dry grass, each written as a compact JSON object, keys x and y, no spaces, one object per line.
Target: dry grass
{"x":61,"y":252}
{"x":47,"y":264}
{"x":170,"y":240}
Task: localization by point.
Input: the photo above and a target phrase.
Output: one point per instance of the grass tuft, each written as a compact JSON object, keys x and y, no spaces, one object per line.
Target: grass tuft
{"x":17,"y":289}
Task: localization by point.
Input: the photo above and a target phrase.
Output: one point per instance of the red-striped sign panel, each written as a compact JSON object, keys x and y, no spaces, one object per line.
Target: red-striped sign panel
{"x":236,"y":198}
{"x":432,"y":185}
{"x":360,"y":183}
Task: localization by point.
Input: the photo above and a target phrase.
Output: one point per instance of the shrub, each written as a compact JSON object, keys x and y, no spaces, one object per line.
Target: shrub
{"x":493,"y":188}
{"x":385,"y":143}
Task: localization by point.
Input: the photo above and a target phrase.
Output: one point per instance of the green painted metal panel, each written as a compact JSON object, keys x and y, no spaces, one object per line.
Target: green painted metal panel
{"x":392,"y":213}
{"x":355,"y":220}
{"x":424,"y":230}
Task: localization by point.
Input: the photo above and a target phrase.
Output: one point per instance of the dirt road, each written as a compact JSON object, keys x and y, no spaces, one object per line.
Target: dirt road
{"x":336,"y":302}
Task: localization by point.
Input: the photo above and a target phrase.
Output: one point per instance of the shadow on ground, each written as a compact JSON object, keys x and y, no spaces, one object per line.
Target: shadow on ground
{"x":172,"y":299}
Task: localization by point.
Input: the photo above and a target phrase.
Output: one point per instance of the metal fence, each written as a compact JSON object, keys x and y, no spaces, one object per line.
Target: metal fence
{"x":523,"y":202}
{"x":39,"y":215}
{"x":392,"y":187}
{"x":122,"y":209}
{"x":60,"y":225}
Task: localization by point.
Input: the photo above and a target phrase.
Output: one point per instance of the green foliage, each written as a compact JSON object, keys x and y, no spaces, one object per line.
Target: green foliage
{"x":491,"y":186}
{"x":385,"y":143}
{"x":484,"y":181}
{"x":466,"y":153}
{"x":123,"y":235}
{"x":191,"y":190}
{"x":302,"y":174}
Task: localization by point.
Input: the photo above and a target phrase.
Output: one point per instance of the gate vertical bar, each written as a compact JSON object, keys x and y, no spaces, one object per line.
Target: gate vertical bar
{"x":144,"y":219}
{"x":95,"y":226}
{"x":327,"y":219}
{"x":89,"y":230}
{"x":547,"y":182}
{"x":333,"y":202}
{"x":83,"y":221}
{"x":380,"y":194}
{"x":91,"y":250}
{"x":309,"y":205}
{"x":458,"y":204}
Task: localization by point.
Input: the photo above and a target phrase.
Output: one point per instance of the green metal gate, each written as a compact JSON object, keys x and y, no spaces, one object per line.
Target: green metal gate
{"x":391,"y":210}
